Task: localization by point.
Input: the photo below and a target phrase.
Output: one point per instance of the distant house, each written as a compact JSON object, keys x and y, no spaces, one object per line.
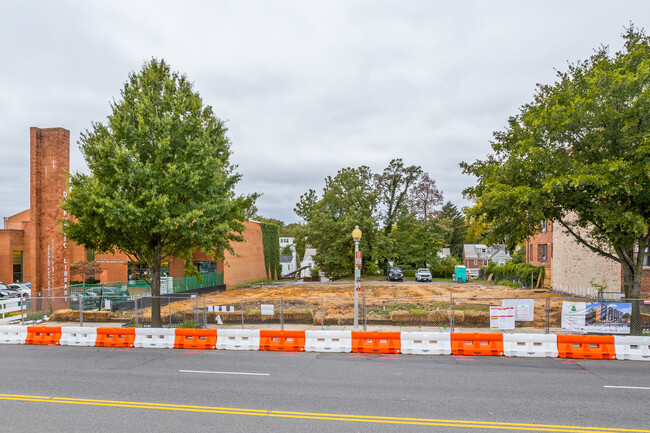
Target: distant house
{"x":284,"y":241}
{"x":476,"y":256}
{"x":308,"y":260}
{"x":288,"y":263}
{"x":444,"y":253}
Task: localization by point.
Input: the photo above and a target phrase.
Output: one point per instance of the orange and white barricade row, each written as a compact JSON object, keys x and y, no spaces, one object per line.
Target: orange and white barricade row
{"x":417,"y":343}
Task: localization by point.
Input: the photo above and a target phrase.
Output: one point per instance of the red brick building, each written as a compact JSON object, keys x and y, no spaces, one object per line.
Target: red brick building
{"x":33,"y":249}
{"x":572,"y":268}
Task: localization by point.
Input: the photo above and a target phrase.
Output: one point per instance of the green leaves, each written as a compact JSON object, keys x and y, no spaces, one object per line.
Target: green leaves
{"x":577,"y":154}
{"x":161,"y":183}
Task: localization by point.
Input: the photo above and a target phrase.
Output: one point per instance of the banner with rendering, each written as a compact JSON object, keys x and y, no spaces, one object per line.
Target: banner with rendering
{"x":597,"y":317}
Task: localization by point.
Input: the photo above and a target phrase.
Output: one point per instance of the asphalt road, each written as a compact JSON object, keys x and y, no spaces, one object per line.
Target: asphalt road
{"x":69,"y":389}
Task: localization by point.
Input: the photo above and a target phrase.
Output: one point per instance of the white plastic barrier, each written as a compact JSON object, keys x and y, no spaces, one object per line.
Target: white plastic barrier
{"x":530,"y":345}
{"x":154,"y":338}
{"x":13,"y":334}
{"x":78,"y":336}
{"x":328,"y":341}
{"x":632,"y":348}
{"x":238,"y":339}
{"x":426,"y":343}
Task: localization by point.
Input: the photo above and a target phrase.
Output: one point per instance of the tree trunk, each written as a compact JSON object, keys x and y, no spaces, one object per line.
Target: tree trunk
{"x":154,"y":268}
{"x":632,"y":290}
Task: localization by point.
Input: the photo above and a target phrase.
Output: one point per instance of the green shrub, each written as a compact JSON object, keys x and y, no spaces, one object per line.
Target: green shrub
{"x":520,"y":272}
{"x":445,"y":268}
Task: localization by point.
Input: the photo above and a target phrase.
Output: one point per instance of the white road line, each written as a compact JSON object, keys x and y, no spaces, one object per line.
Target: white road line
{"x":223,"y":372}
{"x":627,"y":387}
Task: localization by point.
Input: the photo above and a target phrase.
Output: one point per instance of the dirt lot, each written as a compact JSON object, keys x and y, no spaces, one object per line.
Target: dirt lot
{"x":402,"y":303}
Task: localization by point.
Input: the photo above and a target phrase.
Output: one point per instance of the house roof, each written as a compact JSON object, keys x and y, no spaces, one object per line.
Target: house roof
{"x":286,"y":258}
{"x":475,"y":251}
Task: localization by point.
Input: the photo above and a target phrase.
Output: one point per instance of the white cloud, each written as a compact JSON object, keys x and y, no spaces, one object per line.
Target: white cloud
{"x":306,"y":87}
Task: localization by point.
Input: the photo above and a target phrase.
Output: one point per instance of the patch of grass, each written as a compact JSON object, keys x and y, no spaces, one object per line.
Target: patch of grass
{"x":188,"y":324}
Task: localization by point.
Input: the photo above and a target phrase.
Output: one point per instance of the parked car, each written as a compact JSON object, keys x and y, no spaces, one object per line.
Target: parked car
{"x":6,"y":293}
{"x":395,"y":274}
{"x":423,"y":274}
{"x":22,"y":289}
{"x":114,"y":294}
{"x":90,"y":301}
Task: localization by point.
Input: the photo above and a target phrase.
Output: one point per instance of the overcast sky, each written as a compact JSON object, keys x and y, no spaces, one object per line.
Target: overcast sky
{"x":306,"y":87}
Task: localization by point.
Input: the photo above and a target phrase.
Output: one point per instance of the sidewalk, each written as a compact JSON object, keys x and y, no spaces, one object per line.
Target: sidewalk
{"x":300,"y":327}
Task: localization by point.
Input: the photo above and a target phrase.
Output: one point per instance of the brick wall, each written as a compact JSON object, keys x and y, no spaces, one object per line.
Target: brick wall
{"x":575,"y":266}
{"x":248,"y":262}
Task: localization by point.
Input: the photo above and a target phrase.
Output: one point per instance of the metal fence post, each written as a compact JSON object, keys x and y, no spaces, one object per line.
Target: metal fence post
{"x":281,"y":314}
{"x":242,"y":313}
{"x":451,"y":312}
{"x":135,"y":309}
{"x":169,"y":305}
{"x":365,"y":321}
{"x":548,"y":315}
{"x":196,"y":310}
{"x":322,"y":316}
{"x":22,"y":314}
{"x":81,"y":310}
{"x":205,"y":315}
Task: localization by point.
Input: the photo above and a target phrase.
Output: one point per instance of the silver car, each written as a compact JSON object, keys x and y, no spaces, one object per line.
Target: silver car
{"x":423,"y":274}
{"x":22,"y":289}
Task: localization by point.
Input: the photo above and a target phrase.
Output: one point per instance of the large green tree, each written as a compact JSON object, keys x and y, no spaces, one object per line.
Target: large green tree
{"x":348,"y":199}
{"x":456,"y":233}
{"x":160,"y":181}
{"x":579,"y":154}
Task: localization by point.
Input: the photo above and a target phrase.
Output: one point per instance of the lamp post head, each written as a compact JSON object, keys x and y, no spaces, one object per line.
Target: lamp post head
{"x":356,"y":233}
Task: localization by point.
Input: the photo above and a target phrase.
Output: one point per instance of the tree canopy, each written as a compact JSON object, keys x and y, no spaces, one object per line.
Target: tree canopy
{"x":160,"y":181}
{"x":578,"y":154}
{"x":387,"y":207}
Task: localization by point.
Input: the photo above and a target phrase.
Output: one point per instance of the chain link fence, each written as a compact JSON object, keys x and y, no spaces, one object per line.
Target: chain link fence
{"x":441,"y":313}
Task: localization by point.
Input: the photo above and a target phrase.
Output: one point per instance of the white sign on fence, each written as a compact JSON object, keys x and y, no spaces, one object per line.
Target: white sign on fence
{"x":267,"y":310}
{"x":524,"y":308}
{"x":502,"y":317}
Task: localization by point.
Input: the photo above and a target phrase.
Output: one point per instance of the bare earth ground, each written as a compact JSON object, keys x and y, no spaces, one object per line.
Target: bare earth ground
{"x":406,"y":301}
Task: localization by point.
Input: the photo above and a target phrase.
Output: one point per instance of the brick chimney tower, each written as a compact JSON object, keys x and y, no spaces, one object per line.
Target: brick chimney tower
{"x":49,"y":163}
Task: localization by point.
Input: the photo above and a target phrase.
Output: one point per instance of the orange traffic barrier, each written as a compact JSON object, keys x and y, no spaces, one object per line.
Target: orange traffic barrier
{"x":476,"y":343}
{"x":195,"y":338}
{"x":282,"y":341}
{"x":376,"y":342}
{"x":115,"y":337}
{"x":586,"y":346}
{"x":43,"y":335}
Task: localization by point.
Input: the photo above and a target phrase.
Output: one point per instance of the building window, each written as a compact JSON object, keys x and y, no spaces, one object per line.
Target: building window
{"x":475,"y":262}
{"x":206,"y":267}
{"x":485,"y":262}
{"x":542,"y":226}
{"x":17,"y":267}
{"x":542,"y":250}
{"x":140,"y":271}
{"x":646,"y":261}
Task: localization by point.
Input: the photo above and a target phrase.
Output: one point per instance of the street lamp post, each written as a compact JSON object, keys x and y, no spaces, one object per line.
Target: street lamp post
{"x":356,"y":236}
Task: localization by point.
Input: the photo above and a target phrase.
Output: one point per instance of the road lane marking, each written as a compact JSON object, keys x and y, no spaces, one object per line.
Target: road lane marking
{"x":319,"y":416}
{"x":627,"y":387}
{"x":223,"y":372}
